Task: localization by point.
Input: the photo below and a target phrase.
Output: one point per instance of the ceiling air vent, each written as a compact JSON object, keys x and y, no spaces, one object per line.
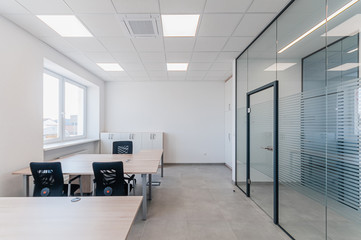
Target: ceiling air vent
{"x":140,"y":25}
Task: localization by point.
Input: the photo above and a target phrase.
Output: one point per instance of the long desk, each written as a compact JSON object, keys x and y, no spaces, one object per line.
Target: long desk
{"x":57,"y":218}
{"x":145,"y":162}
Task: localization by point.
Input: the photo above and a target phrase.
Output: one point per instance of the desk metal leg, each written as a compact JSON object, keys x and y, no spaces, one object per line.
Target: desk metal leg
{"x":161,"y":169}
{"x":150,"y":186}
{"x":144,"y":191}
{"x":26,"y":185}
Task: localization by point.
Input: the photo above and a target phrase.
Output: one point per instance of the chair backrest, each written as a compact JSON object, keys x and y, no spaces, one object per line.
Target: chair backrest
{"x":48,"y":176}
{"x":109,"y":174}
{"x":123,"y":147}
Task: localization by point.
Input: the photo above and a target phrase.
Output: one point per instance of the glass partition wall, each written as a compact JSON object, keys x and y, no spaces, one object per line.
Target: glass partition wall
{"x":312,"y":49}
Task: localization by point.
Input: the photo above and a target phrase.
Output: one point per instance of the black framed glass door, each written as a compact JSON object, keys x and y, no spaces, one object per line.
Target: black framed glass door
{"x":262,"y":148}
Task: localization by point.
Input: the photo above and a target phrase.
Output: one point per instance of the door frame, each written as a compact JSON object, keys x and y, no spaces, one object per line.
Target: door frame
{"x":275,"y":143}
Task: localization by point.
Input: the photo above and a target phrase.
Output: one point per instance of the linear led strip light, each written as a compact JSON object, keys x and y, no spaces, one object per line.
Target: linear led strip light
{"x":319,"y":25}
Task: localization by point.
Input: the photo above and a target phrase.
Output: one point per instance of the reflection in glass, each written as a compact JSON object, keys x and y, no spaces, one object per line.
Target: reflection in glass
{"x":262,"y":70}
{"x":317,"y":64}
{"x":343,"y":123}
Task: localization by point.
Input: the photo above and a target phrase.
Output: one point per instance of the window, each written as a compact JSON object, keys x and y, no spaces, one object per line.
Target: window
{"x":63,"y":108}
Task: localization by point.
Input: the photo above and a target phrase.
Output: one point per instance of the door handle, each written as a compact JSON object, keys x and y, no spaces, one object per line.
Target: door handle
{"x":268,"y":148}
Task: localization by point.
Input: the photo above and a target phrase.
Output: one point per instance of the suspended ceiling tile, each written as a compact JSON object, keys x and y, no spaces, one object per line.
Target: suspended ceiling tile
{"x":132,"y":67}
{"x":218,"y":75}
{"x":100,"y":57}
{"x":136,"y":6}
{"x":118,"y":74}
{"x":151,"y":66}
{"x":274,"y":6}
{"x":93,"y":6}
{"x":117,"y":44}
{"x":258,"y":21}
{"x":219,"y":24}
{"x":59,"y":44}
{"x":221,"y":67}
{"x":194,"y":66}
{"x":237,"y":43}
{"x":177,"y":44}
{"x":178,"y":56}
{"x":148,"y":44}
{"x":204,"y":56}
{"x":196,"y":74}
{"x":229,"y":6}
{"x":152,"y":57}
{"x":102,"y":25}
{"x":46,"y":6}
{"x":162,"y":74}
{"x":211,"y":44}
{"x":126,"y":57}
{"x":135,"y":74}
{"x":179,"y":74}
{"x":86,"y":44}
{"x":227,"y":56}
{"x":182,"y":6}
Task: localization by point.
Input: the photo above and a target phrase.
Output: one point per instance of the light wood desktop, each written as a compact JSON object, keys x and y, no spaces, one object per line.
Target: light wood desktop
{"x":145,"y":162}
{"x":57,"y":218}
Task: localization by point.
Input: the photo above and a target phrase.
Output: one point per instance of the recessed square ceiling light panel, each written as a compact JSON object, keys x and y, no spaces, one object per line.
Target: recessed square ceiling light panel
{"x":177,"y":66}
{"x":279,"y":67}
{"x":111,"y":67}
{"x":180,"y":25}
{"x":66,"y":25}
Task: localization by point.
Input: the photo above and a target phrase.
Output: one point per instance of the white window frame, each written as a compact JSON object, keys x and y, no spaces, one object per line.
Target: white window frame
{"x":61,"y":127}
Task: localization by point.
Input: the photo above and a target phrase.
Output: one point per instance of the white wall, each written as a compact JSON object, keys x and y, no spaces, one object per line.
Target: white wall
{"x":21,"y":62}
{"x":228,"y":122}
{"x":190,"y":113}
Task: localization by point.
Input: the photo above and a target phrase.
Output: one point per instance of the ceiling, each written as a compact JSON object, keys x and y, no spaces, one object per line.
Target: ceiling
{"x":225,"y":29}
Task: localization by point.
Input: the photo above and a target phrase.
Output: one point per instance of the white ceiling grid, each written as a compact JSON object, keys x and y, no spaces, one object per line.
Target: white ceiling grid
{"x":225,"y":29}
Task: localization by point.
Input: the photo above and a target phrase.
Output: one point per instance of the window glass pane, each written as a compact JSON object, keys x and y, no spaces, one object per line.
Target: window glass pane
{"x":74,"y":110}
{"x":50,"y":107}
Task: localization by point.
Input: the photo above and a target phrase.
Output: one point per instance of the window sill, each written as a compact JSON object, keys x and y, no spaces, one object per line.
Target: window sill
{"x":53,"y":146}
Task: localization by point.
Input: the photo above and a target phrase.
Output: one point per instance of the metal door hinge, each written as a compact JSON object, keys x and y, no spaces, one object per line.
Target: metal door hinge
{"x":249,"y":181}
{"x":248,"y":110}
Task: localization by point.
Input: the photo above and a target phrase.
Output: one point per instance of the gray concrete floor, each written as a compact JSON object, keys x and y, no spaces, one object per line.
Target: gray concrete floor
{"x":196,"y":202}
{"x":304,"y":217}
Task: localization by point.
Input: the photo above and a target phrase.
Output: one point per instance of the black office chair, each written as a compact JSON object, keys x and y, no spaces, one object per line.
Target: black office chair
{"x":125,"y":147}
{"x":49,"y":181}
{"x":109,"y":179}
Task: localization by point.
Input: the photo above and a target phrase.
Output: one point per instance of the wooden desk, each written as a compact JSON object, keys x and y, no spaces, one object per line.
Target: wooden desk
{"x":145,"y":162}
{"x":57,"y":218}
